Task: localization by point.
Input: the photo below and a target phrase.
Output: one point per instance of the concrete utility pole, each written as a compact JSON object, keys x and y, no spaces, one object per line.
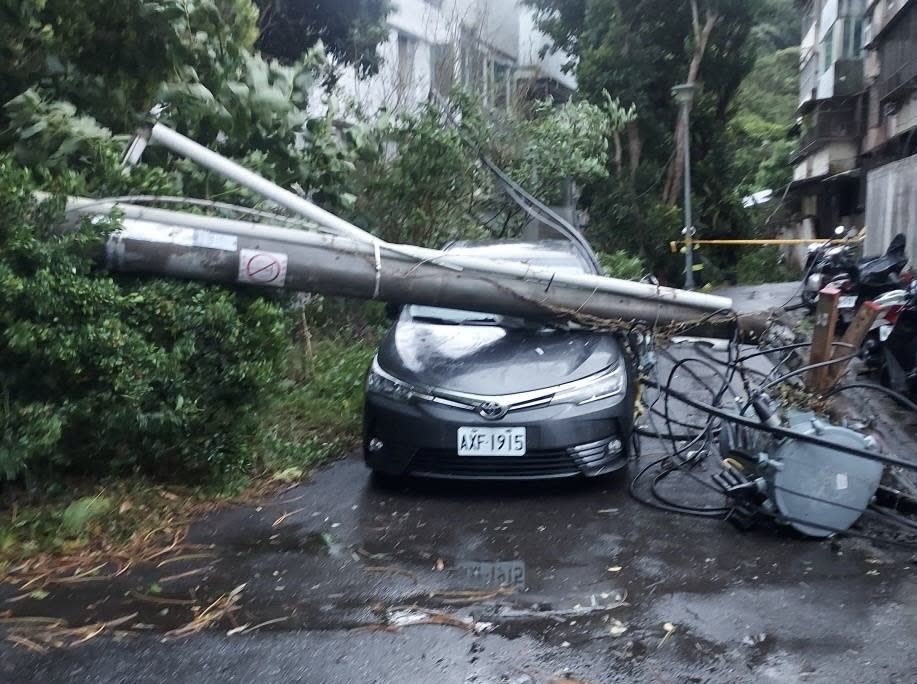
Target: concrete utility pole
{"x":684,"y":96}
{"x":347,"y":261}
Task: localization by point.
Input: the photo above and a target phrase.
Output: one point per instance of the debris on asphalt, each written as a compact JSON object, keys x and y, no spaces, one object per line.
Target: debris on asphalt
{"x":388,"y":570}
{"x":669,"y":628}
{"x":39,"y":634}
{"x":559,"y":615}
{"x":283,"y":517}
{"x":460,"y":597}
{"x":413,"y":615}
{"x":617,"y":628}
{"x":754,"y":639}
{"x":218,"y":610}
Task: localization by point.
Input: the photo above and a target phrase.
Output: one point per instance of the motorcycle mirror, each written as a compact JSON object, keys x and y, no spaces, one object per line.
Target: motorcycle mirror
{"x":840,"y":230}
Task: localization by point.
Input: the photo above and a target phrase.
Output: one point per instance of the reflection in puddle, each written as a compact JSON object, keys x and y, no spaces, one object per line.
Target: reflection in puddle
{"x":491,"y":573}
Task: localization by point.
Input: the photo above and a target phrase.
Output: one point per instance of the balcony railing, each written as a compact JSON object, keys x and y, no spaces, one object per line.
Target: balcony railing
{"x":826,"y":126}
{"x":808,"y":79}
{"x":898,"y":56}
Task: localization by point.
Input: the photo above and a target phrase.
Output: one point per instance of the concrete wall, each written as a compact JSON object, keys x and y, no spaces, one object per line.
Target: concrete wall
{"x":891,"y":206}
{"x":833,"y":158}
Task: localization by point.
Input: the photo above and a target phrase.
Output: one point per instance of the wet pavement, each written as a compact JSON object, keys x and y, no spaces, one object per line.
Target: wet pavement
{"x":327,"y":577}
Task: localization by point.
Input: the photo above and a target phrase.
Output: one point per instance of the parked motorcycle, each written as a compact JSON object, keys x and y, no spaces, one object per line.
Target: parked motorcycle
{"x":858,"y":280}
{"x":890,"y":305}
{"x":823,"y":263}
{"x":899,"y":367}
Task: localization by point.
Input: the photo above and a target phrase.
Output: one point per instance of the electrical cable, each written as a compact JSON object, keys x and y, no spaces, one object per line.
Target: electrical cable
{"x":674,"y":461}
{"x":897,"y":396}
{"x":783,"y":432}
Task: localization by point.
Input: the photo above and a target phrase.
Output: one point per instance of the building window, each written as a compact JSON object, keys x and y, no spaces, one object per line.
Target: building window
{"x":853,"y":38}
{"x":473,"y":62}
{"x":501,"y":85}
{"x":407,"y":51}
{"x":827,"y":50}
{"x":442,"y":68}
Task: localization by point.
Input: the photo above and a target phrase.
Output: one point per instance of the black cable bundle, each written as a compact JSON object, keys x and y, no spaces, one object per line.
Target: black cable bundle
{"x":688,"y":443}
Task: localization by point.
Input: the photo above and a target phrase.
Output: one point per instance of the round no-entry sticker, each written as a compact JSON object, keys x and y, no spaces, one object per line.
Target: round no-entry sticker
{"x":262,"y":268}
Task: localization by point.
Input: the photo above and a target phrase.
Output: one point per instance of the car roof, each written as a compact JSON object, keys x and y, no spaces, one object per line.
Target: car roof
{"x":550,"y":253}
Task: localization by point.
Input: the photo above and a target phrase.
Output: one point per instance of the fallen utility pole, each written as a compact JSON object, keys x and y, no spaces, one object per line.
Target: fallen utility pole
{"x":347,"y":261}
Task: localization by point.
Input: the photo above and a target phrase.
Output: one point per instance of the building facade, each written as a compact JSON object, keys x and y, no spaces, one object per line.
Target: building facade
{"x":889,"y":147}
{"x":826,"y":172}
{"x":491,"y":47}
{"x":855,"y":164}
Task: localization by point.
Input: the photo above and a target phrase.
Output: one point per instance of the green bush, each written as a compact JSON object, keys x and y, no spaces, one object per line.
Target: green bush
{"x":104,"y":375}
{"x":762,"y":265}
{"x":621,"y":264}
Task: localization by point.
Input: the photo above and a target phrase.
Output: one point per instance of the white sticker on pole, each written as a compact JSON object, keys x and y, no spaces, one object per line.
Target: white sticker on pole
{"x":262,"y":268}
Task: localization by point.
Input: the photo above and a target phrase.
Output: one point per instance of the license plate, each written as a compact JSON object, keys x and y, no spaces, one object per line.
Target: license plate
{"x":480,"y":441}
{"x":491,"y":573}
{"x":847,"y":302}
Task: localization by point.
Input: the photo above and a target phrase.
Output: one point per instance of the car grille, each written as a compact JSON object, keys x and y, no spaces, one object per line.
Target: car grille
{"x":534,"y":464}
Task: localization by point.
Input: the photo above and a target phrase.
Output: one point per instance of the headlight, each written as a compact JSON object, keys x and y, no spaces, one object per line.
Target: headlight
{"x":380,"y":382}
{"x":596,"y":388}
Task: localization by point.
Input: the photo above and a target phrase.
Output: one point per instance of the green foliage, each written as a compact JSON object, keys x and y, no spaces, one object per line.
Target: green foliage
{"x":638,"y":51}
{"x":621,"y":264}
{"x":110,"y":64}
{"x":424,"y":185}
{"x":765,"y":107}
{"x":762,"y":265}
{"x":350,"y":29}
{"x":426,"y":192}
{"x":81,"y":512}
{"x":319,"y":415}
{"x":102,"y":375}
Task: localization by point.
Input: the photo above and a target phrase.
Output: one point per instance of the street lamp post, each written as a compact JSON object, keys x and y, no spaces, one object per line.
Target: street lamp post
{"x":684,"y":96}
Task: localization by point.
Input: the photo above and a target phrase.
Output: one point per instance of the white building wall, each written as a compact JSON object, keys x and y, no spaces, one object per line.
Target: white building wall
{"x":532,"y":43}
{"x":832,"y":158}
{"x":503,"y":30}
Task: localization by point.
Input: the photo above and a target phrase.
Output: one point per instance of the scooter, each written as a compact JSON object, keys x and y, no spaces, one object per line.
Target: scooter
{"x":859,"y":281}
{"x":899,"y":367}
{"x":824,"y":263}
{"x":890,"y":305}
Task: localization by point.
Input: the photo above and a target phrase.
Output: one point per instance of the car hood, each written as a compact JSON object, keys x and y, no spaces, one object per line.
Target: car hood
{"x":491,"y":360}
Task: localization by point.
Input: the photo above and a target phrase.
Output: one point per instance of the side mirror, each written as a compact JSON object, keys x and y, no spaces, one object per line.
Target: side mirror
{"x":839,"y":231}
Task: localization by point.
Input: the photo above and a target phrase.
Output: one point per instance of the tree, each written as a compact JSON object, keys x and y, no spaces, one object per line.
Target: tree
{"x":349,"y":29}
{"x":637,"y":50}
{"x":732,"y":20}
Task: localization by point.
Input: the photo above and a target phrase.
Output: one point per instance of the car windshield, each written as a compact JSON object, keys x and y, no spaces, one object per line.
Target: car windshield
{"x":436,"y":314}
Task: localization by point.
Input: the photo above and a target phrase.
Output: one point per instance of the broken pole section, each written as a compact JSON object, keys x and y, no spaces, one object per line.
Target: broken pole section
{"x":853,"y":339}
{"x":823,"y":338}
{"x":332,"y":265}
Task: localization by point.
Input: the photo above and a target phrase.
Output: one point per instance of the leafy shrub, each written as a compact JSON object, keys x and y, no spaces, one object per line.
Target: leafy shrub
{"x":762,"y":265}
{"x":102,"y":375}
{"x":621,"y":264}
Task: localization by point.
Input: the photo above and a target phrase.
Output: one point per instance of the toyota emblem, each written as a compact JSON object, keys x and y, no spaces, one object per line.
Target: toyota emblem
{"x":491,"y":410}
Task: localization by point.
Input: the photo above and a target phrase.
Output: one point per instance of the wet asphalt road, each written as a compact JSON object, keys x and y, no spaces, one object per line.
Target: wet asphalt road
{"x":327,"y":563}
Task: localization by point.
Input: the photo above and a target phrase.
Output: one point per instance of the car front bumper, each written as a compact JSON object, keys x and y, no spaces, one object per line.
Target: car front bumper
{"x":420,"y":439}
